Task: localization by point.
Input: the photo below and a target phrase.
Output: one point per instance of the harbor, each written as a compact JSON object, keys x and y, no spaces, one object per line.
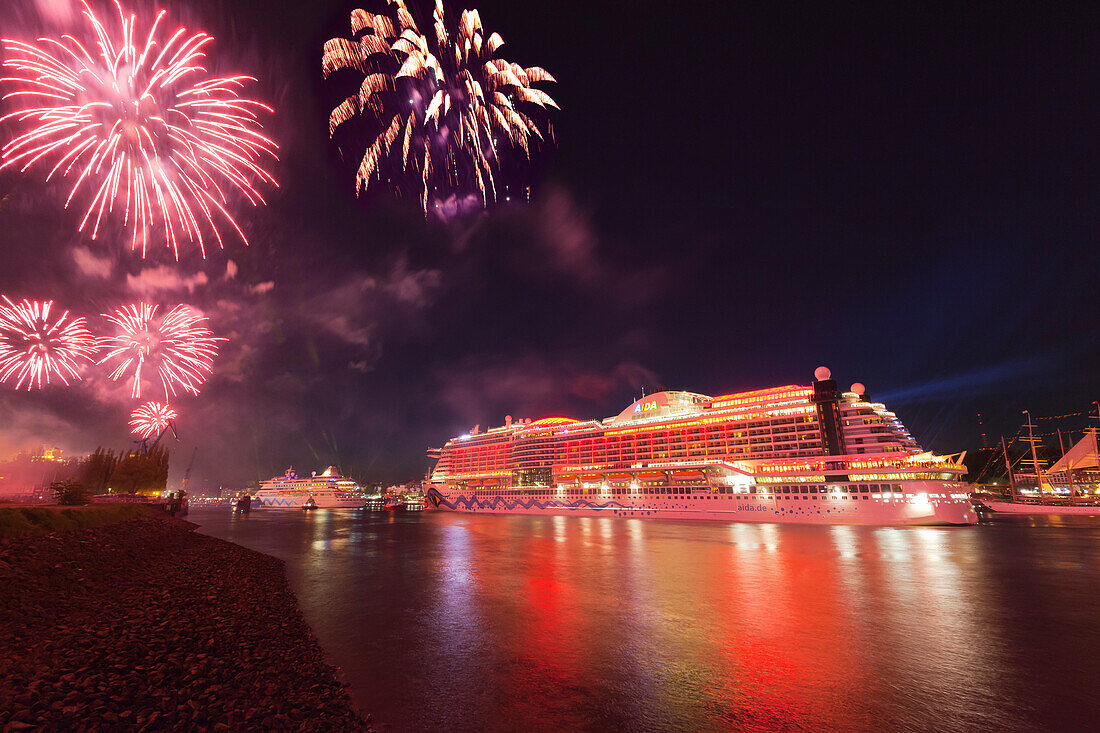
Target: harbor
{"x":409,"y":365}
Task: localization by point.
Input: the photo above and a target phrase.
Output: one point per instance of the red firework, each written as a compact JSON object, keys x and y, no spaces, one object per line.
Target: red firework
{"x":178,"y":347}
{"x":151,"y":419}
{"x":139,"y":124}
{"x":35,"y":346}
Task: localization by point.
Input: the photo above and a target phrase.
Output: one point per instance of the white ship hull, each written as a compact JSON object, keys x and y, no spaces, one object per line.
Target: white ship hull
{"x":297,"y":500}
{"x":1005,"y":507}
{"x":919,"y":509}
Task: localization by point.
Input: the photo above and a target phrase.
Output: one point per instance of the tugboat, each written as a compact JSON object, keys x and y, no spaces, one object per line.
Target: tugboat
{"x":309,"y":504}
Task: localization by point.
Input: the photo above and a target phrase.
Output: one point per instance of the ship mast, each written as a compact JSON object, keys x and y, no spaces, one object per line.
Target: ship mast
{"x":1008,"y":465}
{"x":1069,"y":469}
{"x":1035,"y":457}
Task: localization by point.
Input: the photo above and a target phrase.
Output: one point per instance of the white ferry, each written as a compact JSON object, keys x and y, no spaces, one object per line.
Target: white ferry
{"x":325,"y":491}
{"x":805,"y":454}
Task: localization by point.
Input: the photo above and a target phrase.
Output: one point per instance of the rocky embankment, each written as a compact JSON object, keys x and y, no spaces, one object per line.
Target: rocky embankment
{"x":145,"y":625}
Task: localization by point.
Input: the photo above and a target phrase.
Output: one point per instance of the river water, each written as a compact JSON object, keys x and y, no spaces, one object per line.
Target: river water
{"x":444,"y":621}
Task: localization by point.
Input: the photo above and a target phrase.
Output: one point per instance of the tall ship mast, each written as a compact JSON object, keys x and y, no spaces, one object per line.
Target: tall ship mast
{"x":801,"y":454}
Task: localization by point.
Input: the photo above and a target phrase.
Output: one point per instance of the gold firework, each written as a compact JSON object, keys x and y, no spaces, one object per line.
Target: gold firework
{"x":440,"y":111}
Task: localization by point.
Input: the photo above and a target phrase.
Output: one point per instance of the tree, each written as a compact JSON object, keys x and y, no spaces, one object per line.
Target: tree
{"x":70,"y":493}
{"x":97,"y":469}
{"x":141,"y":474}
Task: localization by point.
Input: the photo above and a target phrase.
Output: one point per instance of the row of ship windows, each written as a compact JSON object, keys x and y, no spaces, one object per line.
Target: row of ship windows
{"x":778,"y":425}
{"x":653,"y":488}
{"x":472,"y":468}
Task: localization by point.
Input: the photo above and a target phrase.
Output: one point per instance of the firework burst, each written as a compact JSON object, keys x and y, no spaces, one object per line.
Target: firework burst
{"x":177,"y":347}
{"x":136,"y":123}
{"x":35,"y":346}
{"x":444,"y":107}
{"x":151,"y":419}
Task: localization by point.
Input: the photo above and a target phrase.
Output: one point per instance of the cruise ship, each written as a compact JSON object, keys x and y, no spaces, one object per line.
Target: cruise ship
{"x":325,"y":491}
{"x":802,"y":454}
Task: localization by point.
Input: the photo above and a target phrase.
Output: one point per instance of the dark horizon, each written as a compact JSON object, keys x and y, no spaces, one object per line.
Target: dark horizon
{"x":906,"y":195}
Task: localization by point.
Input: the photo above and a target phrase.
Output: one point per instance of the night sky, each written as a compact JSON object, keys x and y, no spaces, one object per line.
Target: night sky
{"x":905,"y":194}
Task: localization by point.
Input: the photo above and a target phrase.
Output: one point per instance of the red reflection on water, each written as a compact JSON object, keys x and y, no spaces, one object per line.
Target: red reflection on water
{"x":560,"y":623}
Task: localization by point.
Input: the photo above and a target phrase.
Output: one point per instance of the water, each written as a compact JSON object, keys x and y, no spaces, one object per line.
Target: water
{"x":445,"y":621}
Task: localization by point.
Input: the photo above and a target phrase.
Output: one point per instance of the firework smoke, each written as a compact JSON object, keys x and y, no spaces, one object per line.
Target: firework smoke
{"x":133,"y":119}
{"x":444,"y":106}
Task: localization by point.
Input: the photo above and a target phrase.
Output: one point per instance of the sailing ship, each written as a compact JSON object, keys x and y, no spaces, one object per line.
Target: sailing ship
{"x":1061,"y":490}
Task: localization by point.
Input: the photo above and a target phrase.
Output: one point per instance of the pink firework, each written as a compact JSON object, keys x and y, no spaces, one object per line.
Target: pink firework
{"x":35,"y":346}
{"x":138,"y":124}
{"x":178,"y":347}
{"x":151,"y":419}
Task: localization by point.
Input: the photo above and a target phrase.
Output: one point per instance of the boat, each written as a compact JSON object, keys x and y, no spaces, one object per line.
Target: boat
{"x":790,"y":454}
{"x":1046,"y":498}
{"x":413,"y":504}
{"x":327,"y":490}
{"x":1023,"y":507}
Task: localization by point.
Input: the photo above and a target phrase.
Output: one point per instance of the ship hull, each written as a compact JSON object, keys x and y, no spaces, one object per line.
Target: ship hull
{"x":828,"y":509}
{"x":1004,"y":507}
{"x":290,"y":501}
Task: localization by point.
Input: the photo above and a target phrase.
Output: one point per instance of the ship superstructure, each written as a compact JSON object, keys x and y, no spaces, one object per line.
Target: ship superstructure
{"x":784,"y":454}
{"x":327,"y":490}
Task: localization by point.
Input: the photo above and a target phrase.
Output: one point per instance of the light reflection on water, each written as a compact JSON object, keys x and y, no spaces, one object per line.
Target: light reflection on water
{"x":452,"y":621}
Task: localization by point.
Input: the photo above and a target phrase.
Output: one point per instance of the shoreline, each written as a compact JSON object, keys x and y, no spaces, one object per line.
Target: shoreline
{"x":145,"y":624}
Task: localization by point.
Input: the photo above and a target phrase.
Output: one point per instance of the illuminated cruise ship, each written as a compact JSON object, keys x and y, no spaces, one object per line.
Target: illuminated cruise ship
{"x":327,"y":490}
{"x":808,"y":454}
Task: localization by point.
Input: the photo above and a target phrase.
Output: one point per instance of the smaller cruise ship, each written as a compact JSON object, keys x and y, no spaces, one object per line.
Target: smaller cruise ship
{"x":327,"y":490}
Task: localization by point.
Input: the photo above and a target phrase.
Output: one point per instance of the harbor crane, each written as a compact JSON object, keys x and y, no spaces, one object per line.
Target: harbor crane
{"x":144,"y":446}
{"x":187,"y":473}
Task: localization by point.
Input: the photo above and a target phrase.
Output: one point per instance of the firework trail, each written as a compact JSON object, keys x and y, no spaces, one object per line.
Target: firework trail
{"x":35,"y":347}
{"x":151,"y":418}
{"x":443,"y":104}
{"x":177,"y":347}
{"x":133,"y":118}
